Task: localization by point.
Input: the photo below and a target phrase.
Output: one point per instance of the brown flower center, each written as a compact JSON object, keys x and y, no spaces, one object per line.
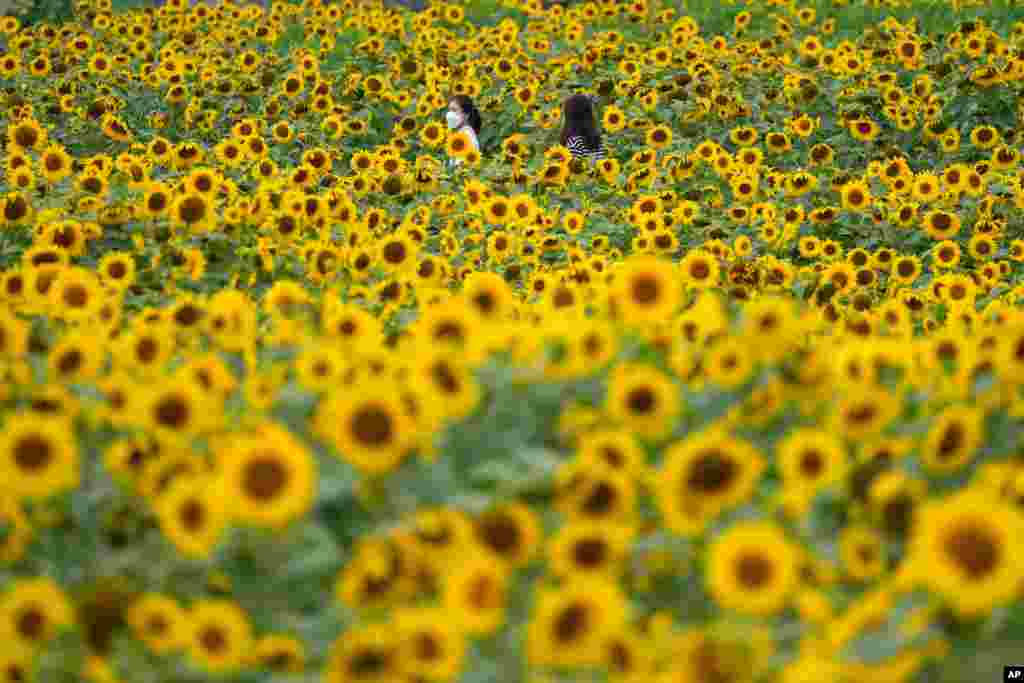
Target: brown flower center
{"x":172,"y":412}
{"x":265,"y":478}
{"x":373,"y":426}
{"x":712,"y":473}
{"x":572,"y":623}
{"x":753,"y":571}
{"x":974,"y":550}
{"x":33,"y":453}
{"x":213,"y":640}
{"x":590,"y":552}
{"x":31,"y":623}
{"x":641,"y":401}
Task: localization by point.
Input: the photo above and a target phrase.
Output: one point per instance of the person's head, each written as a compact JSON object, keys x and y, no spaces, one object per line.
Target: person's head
{"x":579,"y":120}
{"x":462,"y":111}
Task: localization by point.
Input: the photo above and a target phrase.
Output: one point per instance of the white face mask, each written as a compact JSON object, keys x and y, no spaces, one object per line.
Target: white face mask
{"x":454,"y":119}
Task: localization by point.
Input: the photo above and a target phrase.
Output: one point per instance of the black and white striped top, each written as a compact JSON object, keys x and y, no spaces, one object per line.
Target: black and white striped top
{"x":579,"y":148}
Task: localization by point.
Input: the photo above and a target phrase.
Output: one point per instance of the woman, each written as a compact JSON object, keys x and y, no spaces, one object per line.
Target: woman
{"x":579,"y":133}
{"x":463,"y":117}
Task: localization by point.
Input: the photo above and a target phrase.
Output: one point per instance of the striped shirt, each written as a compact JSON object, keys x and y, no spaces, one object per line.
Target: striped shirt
{"x":579,"y":148}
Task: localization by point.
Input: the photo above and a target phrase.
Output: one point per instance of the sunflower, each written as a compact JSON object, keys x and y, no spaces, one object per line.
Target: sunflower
{"x":648,"y":289}
{"x":894,"y":499}
{"x":497,"y":210}
{"x":369,"y":429}
{"x":659,"y":137}
{"x":704,"y":475}
{"x":190,"y":510}
{"x":985,"y":137}
{"x":490,"y":295}
{"x":589,"y":548}
{"x":269,"y":476}
{"x":318,"y":368}
{"x":595,"y":343}
{"x":27,"y":134}
{"x":617,"y":449}
{"x":810,"y":460}
{"x":444,"y":377}
{"x":570,"y":623}
{"x":644,"y":400}
{"x":728,"y":364}
{"x":157,"y":200}
{"x":960,"y":549}
{"x":38,"y":456}
{"x":193,"y":212}
{"x":700,"y":269}
{"x":630,"y":655}
{"x":864,"y":129}
{"x":981,"y":247}
{"x":501,"y":245}
{"x":862,"y":552}
{"x":18,"y":531}
{"x":16,"y":663}
{"x":127,"y":459}
{"x":860,"y":413}
{"x":14,"y":335}
{"x":941,"y":225}
{"x":177,"y":410}
{"x":116,"y":129}
{"x":280,"y":654}
{"x":186,"y":314}
{"x":609,"y":169}
{"x":33,"y":611}
{"x":36,"y":283}
{"x":209,"y":372}
{"x":159,"y":622}
{"x":10,"y":65}
{"x":75,"y":295}
{"x":856,"y":196}
{"x":145,"y":350}
{"x":352,"y":326}
{"x":454,"y":324}
{"x":554,"y":173}
{"x":770,"y":327}
{"x":1010,"y":355}
{"x":15,"y":209}
{"x":222,"y":636}
{"x":905,"y":270}
{"x":54,"y":401}
{"x":752,"y":568}
{"x":926,"y":187}
{"x":55,"y":163}
{"x":953,"y":439}
{"x":945,"y":255}
{"x":510,"y":532}
{"x":475,"y":594}
{"x":433,"y":647}
{"x":368,"y":654}
{"x":376,"y":577}
{"x":442,"y":532}
{"x":185,"y":155}
{"x":398,"y":254}
{"x":957,"y":290}
{"x":458,"y":145}
{"x":778,"y":143}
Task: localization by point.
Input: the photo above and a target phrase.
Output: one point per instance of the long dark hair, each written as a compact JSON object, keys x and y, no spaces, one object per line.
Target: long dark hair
{"x":579,"y":120}
{"x":473,"y":117}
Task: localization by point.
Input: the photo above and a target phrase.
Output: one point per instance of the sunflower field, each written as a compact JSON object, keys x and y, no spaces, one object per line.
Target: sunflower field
{"x":289,"y":396}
